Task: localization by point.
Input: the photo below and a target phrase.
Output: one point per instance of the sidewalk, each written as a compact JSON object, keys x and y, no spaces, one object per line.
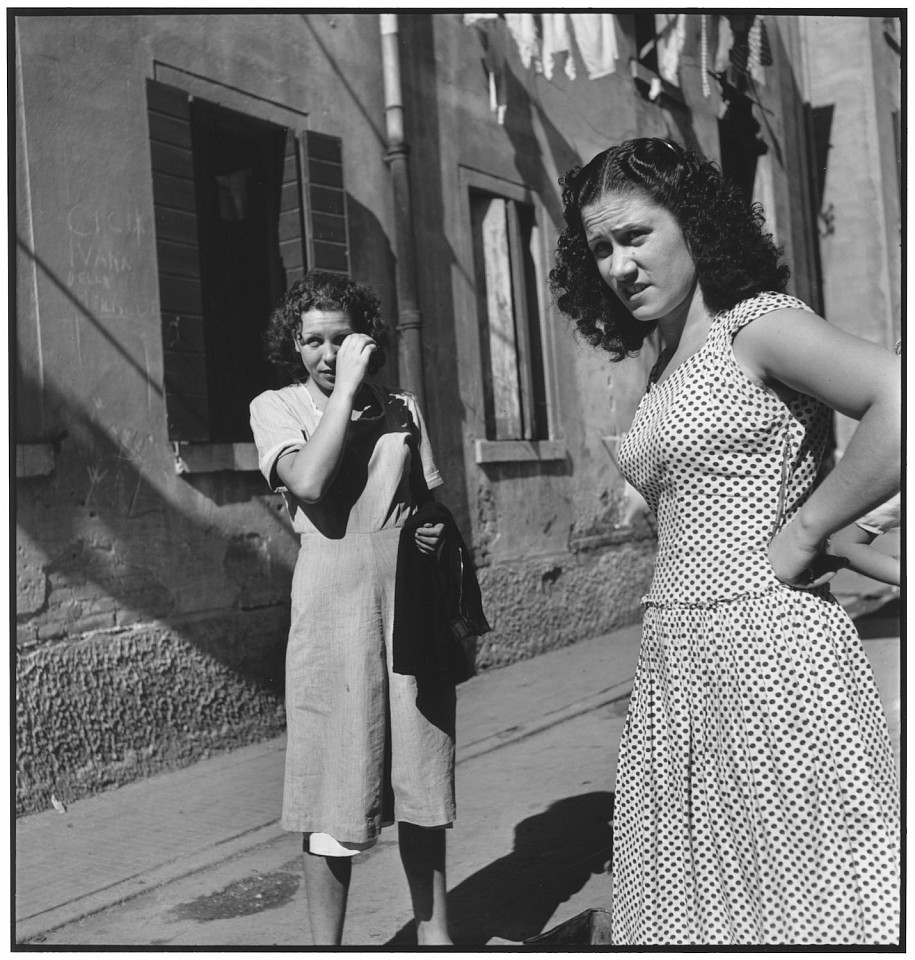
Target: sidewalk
{"x":116,"y":845}
{"x":197,"y":857}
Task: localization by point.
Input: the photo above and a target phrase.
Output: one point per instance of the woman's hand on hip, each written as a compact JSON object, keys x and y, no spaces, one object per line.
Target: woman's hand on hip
{"x":800,"y":564}
{"x":429,"y":537}
{"x":352,"y":362}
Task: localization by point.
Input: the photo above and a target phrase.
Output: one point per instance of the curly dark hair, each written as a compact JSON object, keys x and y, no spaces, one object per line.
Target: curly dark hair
{"x":734,"y":257}
{"x":319,"y":290}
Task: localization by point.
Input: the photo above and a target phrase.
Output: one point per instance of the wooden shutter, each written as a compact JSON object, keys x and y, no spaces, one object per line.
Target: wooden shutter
{"x":328,"y":241}
{"x":292,"y":230}
{"x":180,"y":300}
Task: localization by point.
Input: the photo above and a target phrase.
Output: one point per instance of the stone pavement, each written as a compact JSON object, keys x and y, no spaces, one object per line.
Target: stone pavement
{"x":197,"y":858}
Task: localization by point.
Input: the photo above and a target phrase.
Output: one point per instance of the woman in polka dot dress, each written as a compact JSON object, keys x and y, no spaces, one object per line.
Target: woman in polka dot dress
{"x":756,"y":796}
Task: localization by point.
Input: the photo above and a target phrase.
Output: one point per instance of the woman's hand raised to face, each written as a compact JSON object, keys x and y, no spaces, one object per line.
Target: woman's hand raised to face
{"x":352,"y":362}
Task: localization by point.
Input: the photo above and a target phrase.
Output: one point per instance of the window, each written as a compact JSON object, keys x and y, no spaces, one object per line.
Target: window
{"x":230,"y":239}
{"x":505,"y":240}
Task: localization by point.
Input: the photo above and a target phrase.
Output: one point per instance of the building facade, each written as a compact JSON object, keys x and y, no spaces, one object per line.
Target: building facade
{"x":853,"y":83}
{"x":175,"y":172}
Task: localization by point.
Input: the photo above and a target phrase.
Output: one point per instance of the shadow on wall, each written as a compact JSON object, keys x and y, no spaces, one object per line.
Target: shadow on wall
{"x":519,"y":125}
{"x":371,"y":259}
{"x":147,"y":691}
{"x":113,"y":490}
{"x":445,"y":411}
{"x":112,"y":682}
{"x":368,"y":115}
{"x":555,"y":854}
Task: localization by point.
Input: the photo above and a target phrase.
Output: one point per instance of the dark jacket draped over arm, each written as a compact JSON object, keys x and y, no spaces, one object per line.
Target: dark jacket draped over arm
{"x":437,"y":602}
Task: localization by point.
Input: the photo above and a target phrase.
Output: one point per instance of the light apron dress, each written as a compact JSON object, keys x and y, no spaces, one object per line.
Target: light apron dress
{"x":756,"y":798}
{"x":359,"y":754}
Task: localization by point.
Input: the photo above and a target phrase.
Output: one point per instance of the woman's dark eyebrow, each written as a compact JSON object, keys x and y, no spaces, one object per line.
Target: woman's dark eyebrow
{"x":622,"y":228}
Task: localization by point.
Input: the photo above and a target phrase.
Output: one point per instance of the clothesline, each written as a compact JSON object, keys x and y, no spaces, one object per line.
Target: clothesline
{"x":543,"y":40}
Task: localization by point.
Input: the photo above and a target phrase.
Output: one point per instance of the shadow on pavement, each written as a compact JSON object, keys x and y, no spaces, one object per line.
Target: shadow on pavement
{"x":556,"y":852}
{"x":883,"y":622}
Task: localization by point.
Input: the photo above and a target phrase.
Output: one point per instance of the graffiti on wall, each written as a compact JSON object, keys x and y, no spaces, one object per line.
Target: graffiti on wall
{"x":105,"y":246}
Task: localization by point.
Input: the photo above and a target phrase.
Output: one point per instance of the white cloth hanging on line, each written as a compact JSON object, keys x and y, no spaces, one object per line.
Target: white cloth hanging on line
{"x":595,"y":34}
{"x":670,"y":29}
{"x":523,"y":29}
{"x":498,"y":102}
{"x":556,"y":40}
{"x":471,"y":19}
{"x":725,"y":42}
{"x":492,"y":39}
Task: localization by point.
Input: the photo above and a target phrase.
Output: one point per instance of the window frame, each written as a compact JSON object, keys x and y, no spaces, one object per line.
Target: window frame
{"x":488,"y":451}
{"x":322,"y":243}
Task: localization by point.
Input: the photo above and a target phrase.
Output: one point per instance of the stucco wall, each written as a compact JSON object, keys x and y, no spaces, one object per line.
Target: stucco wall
{"x":515,"y":511}
{"x":152,"y":605}
{"x":123,"y":564}
{"x":551,"y":602}
{"x":101,"y":710}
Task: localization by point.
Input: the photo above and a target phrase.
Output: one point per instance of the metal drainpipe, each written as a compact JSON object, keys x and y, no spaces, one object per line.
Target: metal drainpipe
{"x":409,"y":319}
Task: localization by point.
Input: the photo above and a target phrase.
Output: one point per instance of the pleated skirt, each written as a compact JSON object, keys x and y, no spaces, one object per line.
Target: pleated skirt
{"x":757,"y":798}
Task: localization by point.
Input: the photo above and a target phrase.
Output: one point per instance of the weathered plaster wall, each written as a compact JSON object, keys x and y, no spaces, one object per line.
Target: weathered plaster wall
{"x":149,"y":604}
{"x":152,"y":606}
{"x":550,"y":602}
{"x":101,"y":710}
{"x":515,"y":511}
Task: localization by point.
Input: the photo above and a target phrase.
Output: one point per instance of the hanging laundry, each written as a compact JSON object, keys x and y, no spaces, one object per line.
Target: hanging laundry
{"x":595,"y":34}
{"x":471,"y":19}
{"x":670,"y":29}
{"x":491,"y":34}
{"x":765,"y":50}
{"x":703,"y":57}
{"x":725,"y":42}
{"x":498,"y":101}
{"x":556,"y":41}
{"x":760,"y":51}
{"x":739,"y":66}
{"x":740,"y":59}
{"x":523,"y":29}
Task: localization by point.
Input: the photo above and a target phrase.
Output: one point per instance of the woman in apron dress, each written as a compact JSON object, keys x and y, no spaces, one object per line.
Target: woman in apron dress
{"x":347,"y":457}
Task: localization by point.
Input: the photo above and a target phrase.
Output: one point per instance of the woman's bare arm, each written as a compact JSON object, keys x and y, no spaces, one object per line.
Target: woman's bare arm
{"x":854,"y":377}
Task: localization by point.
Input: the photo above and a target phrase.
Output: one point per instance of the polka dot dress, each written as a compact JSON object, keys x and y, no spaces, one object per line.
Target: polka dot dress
{"x":757,"y":800}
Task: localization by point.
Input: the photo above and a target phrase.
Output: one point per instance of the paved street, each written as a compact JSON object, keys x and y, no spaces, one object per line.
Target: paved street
{"x":196,"y":858}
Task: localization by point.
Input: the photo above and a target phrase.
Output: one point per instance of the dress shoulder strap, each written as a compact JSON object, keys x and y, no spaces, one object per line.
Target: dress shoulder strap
{"x":748,"y":310}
